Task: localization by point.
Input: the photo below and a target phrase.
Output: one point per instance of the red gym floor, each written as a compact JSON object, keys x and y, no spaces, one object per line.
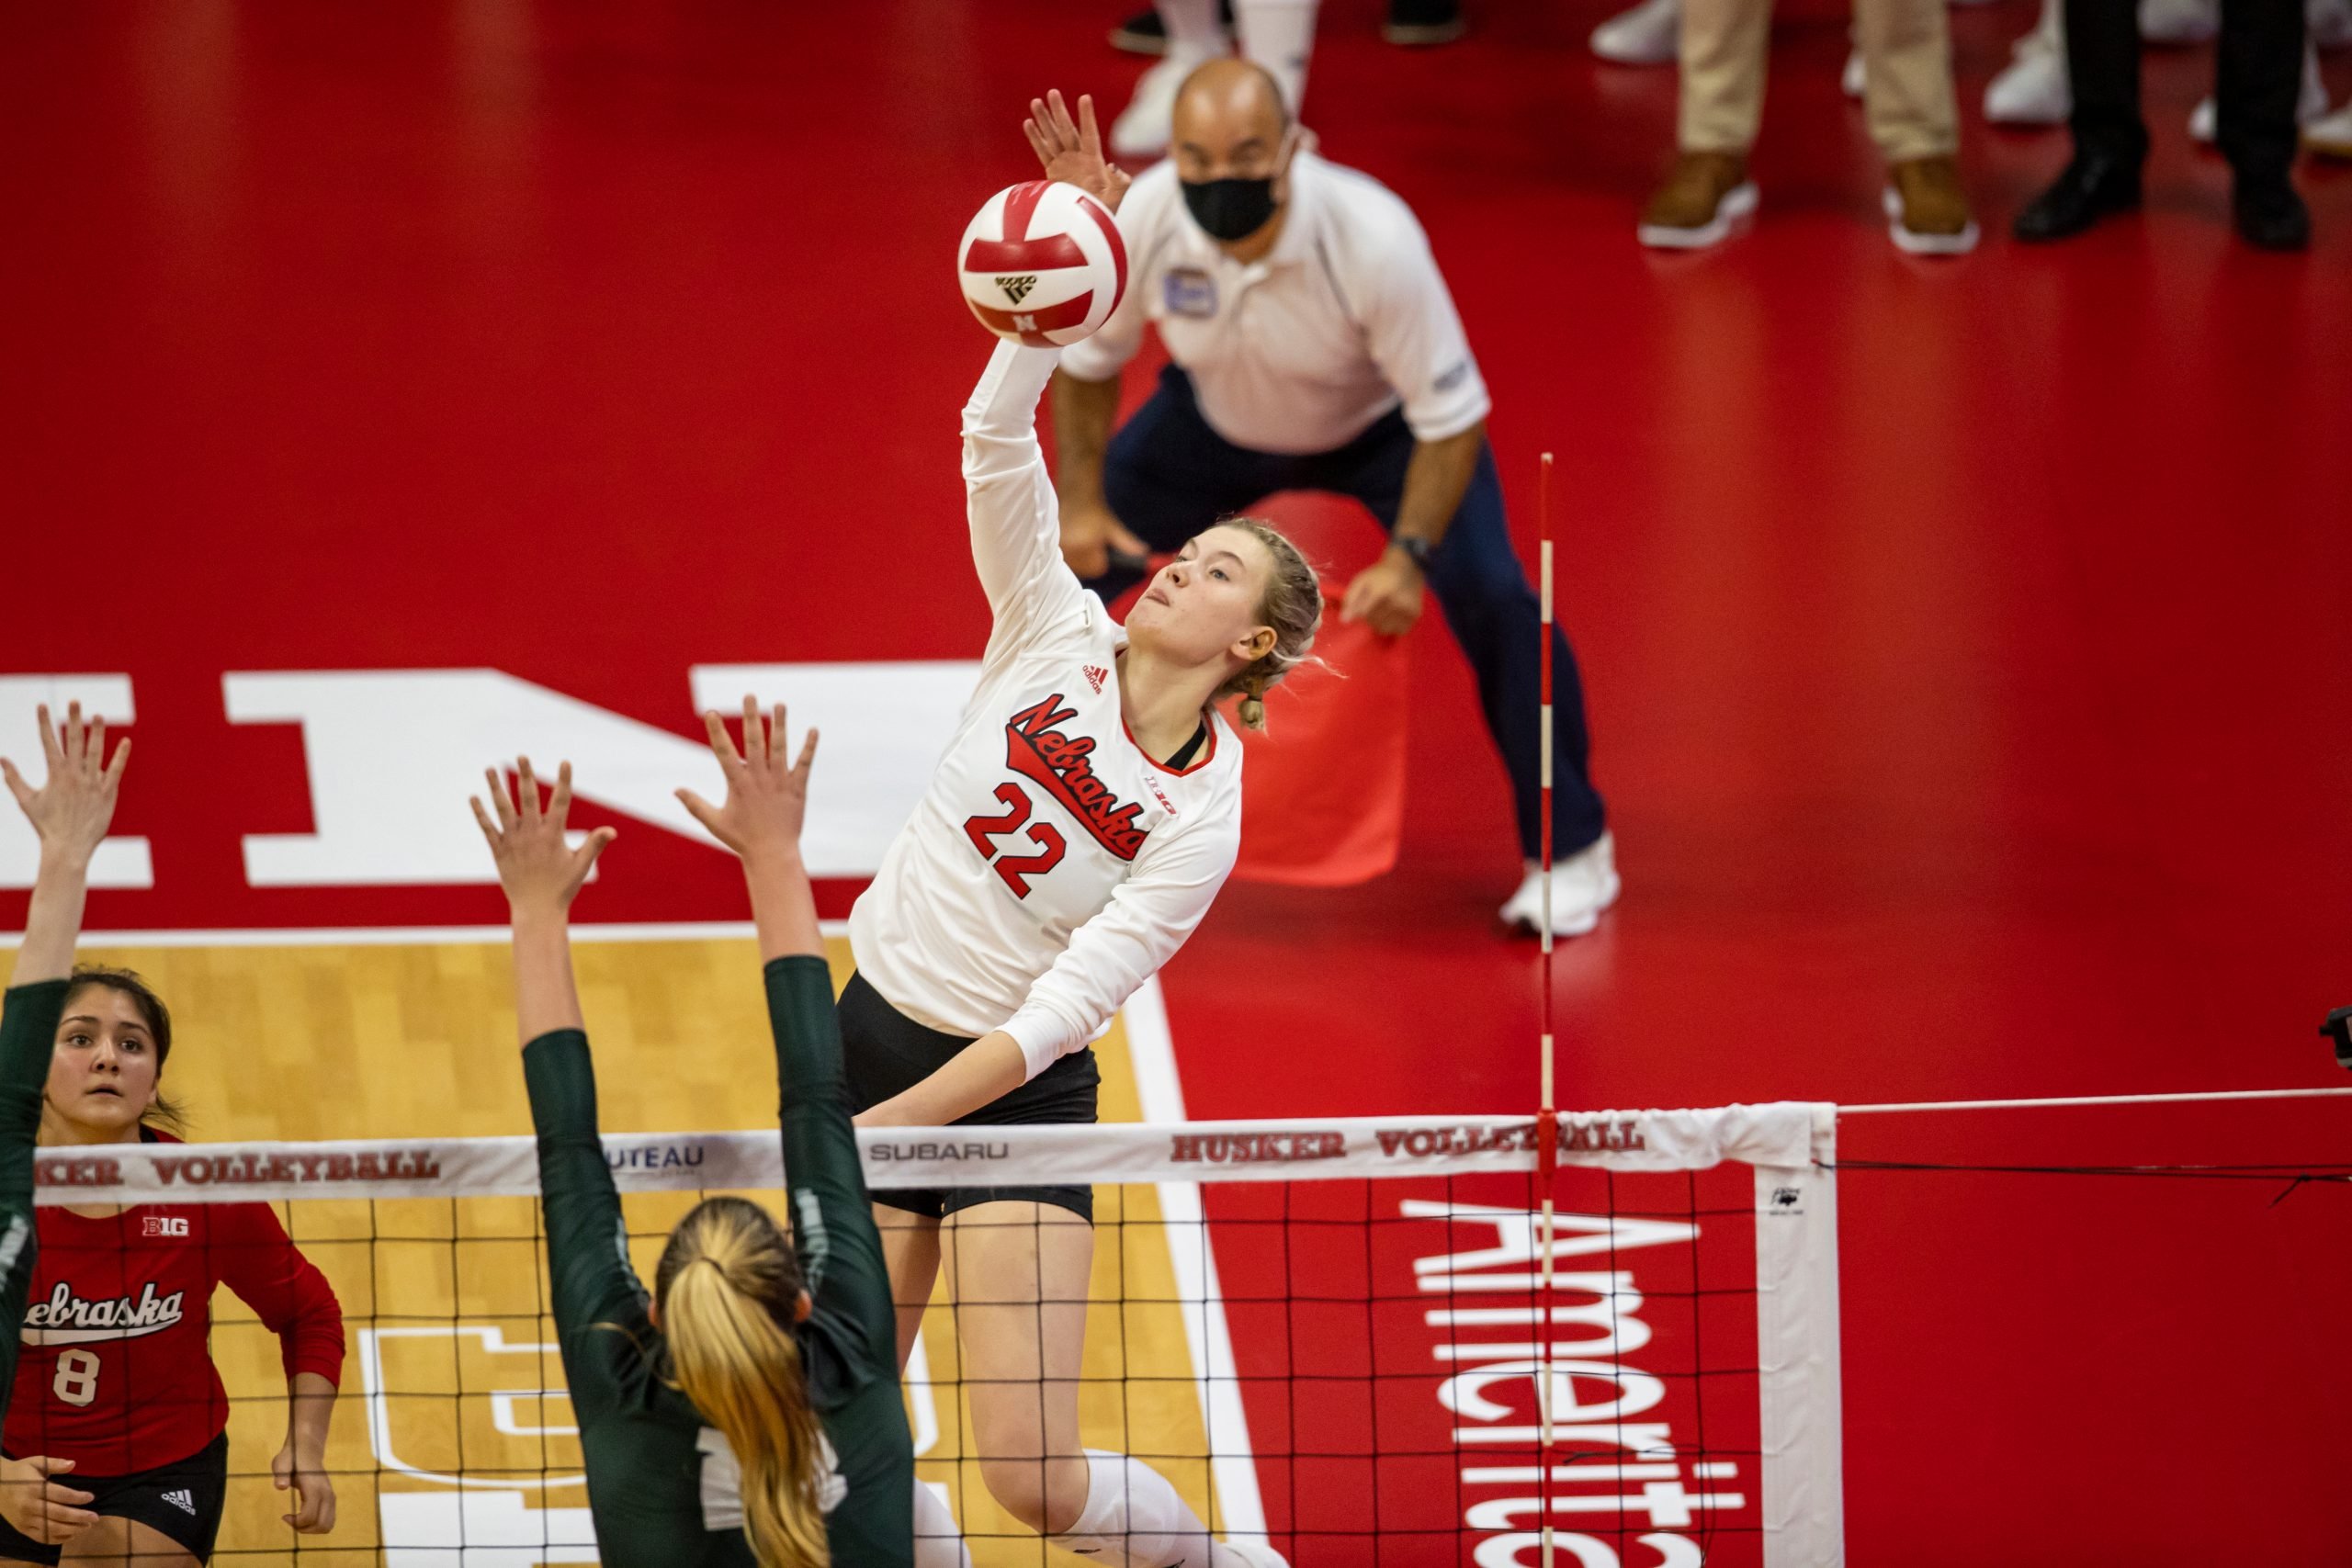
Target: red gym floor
{"x":1969,"y":645}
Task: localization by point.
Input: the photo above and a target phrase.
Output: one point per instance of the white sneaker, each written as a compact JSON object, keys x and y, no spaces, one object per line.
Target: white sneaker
{"x":2204,"y":120}
{"x":1855,"y":76}
{"x":1649,"y":34}
{"x":1144,"y":126}
{"x":2330,"y":136}
{"x":2179,"y":21}
{"x":1582,"y":887}
{"x":2328,"y":23}
{"x":2033,"y":91}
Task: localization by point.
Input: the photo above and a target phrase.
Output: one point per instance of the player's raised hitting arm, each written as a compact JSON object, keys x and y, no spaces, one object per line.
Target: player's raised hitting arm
{"x":1015,"y":519}
{"x":71,"y":812}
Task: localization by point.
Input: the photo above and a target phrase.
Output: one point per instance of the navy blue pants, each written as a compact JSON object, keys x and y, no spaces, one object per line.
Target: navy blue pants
{"x":1169,"y":476}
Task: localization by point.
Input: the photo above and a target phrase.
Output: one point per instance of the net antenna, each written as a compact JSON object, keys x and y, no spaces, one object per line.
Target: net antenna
{"x":1547,"y":1119}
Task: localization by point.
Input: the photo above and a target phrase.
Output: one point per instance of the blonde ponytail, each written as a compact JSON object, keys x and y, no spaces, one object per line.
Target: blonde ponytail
{"x":1293,"y":607}
{"x":727,"y":1287}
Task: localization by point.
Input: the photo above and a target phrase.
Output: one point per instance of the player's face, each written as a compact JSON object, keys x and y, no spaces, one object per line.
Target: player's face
{"x":102,"y":1076}
{"x":1204,"y":605}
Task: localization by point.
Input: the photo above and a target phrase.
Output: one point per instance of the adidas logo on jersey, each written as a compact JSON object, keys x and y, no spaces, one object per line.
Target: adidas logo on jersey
{"x":183,"y":1500}
{"x":1095,"y":676}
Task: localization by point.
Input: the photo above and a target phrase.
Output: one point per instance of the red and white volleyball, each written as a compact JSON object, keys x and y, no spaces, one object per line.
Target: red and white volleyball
{"x":1043,"y":263}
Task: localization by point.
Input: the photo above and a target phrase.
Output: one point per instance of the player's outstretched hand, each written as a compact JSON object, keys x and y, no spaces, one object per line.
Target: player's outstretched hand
{"x":31,"y":1499}
{"x":536,"y":865}
{"x":305,"y":1474}
{"x":74,"y":805}
{"x":767,"y":799}
{"x":1072,"y":152}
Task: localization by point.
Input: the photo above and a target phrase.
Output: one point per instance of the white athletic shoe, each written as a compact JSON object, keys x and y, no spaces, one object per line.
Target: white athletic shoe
{"x":1144,"y":126}
{"x":2331,"y":137}
{"x":1582,"y":887}
{"x":2033,"y":91}
{"x":2328,"y":23}
{"x":2179,"y":21}
{"x":1856,"y":76}
{"x":2204,"y":120}
{"x":1649,"y":34}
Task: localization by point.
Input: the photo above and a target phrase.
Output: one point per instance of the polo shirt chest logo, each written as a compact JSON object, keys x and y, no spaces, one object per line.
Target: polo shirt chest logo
{"x":1189,"y":291}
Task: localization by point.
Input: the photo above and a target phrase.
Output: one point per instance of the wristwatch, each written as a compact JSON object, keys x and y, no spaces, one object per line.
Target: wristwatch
{"x":1417,"y":549}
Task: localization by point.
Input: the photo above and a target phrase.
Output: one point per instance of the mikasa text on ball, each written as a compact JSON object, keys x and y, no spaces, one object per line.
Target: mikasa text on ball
{"x":1043,"y":263}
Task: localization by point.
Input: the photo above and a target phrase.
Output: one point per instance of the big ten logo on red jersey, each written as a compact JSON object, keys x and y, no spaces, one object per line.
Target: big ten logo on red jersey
{"x":171,"y":1225}
{"x":478,"y":1443}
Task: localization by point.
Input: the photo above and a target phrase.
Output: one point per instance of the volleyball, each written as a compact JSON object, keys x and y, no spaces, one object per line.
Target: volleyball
{"x":1043,"y":263}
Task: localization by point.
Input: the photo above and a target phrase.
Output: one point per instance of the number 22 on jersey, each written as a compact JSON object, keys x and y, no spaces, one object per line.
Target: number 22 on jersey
{"x":1016,"y":870}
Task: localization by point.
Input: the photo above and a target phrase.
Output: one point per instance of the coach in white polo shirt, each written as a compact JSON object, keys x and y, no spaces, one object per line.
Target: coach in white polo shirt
{"x":1314,"y":347}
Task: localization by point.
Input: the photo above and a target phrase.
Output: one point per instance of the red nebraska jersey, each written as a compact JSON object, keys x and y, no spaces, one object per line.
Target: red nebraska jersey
{"x":116,"y":1369}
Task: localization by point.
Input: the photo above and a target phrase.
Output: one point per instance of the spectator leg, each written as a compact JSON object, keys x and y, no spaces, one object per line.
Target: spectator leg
{"x":2103,"y":69}
{"x":1723,"y":44}
{"x":2259,"y":76}
{"x":1907,"y":92}
{"x":1479,"y":584}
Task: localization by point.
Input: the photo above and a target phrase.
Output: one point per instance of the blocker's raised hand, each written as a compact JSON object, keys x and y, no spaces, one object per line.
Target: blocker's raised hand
{"x":75,"y":805}
{"x":1072,"y":152}
{"x":536,"y":867}
{"x":767,"y":799}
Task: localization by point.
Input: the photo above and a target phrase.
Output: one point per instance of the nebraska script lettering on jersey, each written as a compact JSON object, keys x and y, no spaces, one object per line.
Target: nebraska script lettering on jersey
{"x":65,"y":1318}
{"x":1060,"y":765}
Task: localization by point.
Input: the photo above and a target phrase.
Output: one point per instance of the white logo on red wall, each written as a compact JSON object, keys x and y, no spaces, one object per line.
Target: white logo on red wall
{"x":67,"y":1319}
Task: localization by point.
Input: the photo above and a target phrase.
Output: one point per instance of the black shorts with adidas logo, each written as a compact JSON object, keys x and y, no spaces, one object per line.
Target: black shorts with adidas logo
{"x":182,"y":1501}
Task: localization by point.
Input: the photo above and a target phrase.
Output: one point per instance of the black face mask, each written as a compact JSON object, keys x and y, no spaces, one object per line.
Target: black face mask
{"x":1230,"y":209}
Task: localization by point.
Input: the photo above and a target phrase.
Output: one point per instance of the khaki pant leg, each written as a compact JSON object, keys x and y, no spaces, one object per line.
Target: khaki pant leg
{"x":1723,"y":42}
{"x":1907,"y":93}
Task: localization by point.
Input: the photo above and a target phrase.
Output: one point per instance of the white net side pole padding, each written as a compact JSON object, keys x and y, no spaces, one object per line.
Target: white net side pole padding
{"x":1797,"y":1354}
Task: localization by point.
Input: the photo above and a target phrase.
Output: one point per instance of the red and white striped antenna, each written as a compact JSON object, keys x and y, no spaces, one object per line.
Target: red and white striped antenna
{"x":1547,"y":1122}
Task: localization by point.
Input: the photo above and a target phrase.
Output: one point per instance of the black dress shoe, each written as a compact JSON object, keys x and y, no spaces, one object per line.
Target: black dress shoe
{"x":1421,"y":22}
{"x":2092,"y":186}
{"x":2269,"y":214}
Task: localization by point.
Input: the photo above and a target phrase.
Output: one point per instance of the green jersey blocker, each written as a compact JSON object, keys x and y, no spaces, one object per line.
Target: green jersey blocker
{"x":27,"y":1035}
{"x":663,"y":1484}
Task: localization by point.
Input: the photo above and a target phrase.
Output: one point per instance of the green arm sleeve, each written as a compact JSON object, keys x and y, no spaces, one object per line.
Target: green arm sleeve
{"x":27,"y":1037}
{"x":832,"y":1219}
{"x":587,"y":1243}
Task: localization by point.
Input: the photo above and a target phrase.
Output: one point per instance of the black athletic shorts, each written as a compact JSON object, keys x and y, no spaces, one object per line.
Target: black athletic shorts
{"x":884,"y":1052}
{"x":182,"y":1501}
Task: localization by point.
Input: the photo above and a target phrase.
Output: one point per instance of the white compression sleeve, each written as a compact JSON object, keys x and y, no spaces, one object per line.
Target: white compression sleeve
{"x":1278,"y":36}
{"x":1192,"y":26}
{"x":1133,"y":1516}
{"x":938,"y":1543}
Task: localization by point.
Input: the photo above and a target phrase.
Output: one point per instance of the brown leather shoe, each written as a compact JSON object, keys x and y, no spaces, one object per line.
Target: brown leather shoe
{"x":1705,"y":195}
{"x":1927,"y":210}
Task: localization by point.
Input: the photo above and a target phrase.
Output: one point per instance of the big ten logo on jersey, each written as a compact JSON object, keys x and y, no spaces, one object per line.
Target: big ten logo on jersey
{"x":479,"y":1446}
{"x":174,"y":1227}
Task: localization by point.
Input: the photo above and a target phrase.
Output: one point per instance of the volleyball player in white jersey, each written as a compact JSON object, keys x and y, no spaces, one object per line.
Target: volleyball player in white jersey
{"x":1082,"y":820}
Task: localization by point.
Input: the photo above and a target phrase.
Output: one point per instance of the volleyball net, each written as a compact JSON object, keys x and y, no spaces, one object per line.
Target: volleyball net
{"x":1340,"y":1337}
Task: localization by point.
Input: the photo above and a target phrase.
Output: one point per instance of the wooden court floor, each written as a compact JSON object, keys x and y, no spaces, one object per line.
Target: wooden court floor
{"x":452,"y":1444}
